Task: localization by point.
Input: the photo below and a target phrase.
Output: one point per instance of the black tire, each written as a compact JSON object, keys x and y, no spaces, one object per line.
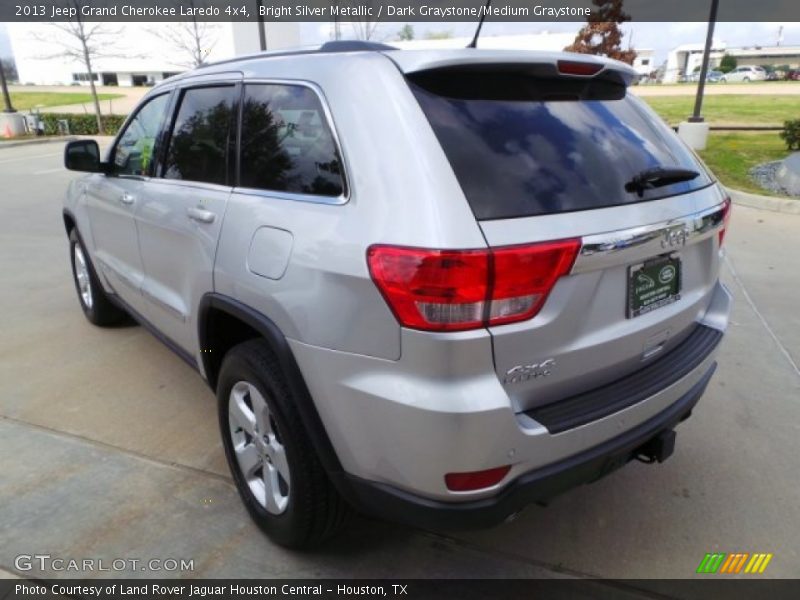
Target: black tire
{"x":314,"y":511}
{"x":100,"y":311}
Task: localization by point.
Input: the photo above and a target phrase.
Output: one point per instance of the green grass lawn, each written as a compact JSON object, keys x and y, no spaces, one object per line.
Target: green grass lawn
{"x":731,"y":155}
{"x":24,"y":101}
{"x":737,"y":109}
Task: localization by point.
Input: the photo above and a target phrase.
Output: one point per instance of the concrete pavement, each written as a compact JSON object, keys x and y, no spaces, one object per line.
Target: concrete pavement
{"x":109,"y":444}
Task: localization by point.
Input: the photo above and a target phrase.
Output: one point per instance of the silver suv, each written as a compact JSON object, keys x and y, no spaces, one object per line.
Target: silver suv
{"x":436,"y":286}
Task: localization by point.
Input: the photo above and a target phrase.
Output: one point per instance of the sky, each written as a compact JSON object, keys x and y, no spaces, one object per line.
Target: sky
{"x":660,"y":37}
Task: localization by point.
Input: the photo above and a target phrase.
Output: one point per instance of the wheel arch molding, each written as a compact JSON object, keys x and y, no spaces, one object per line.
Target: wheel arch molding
{"x":216,"y":310}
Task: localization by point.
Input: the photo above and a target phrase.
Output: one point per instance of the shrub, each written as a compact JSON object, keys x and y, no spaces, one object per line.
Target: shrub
{"x":791,"y":134}
{"x":728,"y":63}
{"x":81,"y":124}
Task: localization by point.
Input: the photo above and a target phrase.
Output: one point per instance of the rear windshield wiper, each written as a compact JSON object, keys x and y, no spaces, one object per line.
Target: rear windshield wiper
{"x":658,"y":177}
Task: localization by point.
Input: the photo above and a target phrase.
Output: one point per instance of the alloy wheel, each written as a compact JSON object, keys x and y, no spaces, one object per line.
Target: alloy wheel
{"x":258,"y":447}
{"x":82,"y":277}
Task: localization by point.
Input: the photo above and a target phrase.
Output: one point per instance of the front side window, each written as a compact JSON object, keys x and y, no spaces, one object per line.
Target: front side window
{"x":198,"y":145}
{"x":287,"y":145}
{"x":134,"y":152}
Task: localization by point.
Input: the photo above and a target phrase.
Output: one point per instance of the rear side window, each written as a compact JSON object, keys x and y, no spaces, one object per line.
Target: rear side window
{"x":198,"y":145}
{"x":287,"y":144}
{"x":523,"y":146}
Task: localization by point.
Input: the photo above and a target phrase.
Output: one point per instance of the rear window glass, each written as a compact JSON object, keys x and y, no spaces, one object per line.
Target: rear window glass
{"x":523,"y":146}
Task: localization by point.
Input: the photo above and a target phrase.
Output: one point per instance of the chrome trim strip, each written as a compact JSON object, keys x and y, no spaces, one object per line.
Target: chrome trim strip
{"x":296,"y":197}
{"x":629,"y":245}
{"x":188,"y":183}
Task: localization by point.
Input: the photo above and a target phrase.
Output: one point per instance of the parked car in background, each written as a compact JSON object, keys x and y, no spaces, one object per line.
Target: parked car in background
{"x":793,"y":75}
{"x":745,"y":74}
{"x":711,"y":76}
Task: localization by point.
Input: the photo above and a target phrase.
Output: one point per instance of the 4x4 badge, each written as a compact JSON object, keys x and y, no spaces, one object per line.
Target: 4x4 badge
{"x":522,"y":373}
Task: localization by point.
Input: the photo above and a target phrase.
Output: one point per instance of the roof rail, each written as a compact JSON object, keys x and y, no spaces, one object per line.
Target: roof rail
{"x":327,"y":47}
{"x":355,"y":46}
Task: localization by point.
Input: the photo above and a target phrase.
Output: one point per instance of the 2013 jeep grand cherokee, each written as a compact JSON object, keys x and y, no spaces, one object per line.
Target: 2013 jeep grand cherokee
{"x":434,"y":285}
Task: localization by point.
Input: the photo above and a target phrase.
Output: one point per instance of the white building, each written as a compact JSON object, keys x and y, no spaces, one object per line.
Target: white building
{"x":686,"y":59}
{"x":140,"y":55}
{"x":644,"y":63}
{"x":767,"y":55}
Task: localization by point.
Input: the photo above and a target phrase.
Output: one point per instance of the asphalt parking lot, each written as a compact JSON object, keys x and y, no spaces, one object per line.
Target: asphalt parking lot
{"x":109,"y":444}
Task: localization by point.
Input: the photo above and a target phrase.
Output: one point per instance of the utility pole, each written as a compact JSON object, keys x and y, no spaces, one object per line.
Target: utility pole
{"x":701,"y":85}
{"x":6,"y":95}
{"x":262,"y":34}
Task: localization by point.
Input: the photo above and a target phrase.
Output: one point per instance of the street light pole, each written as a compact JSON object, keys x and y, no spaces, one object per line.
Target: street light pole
{"x":6,"y":95}
{"x":701,"y":85}
{"x":262,"y":34}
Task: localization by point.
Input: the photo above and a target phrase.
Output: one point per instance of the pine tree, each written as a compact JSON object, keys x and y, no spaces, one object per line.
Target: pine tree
{"x":602,"y":35}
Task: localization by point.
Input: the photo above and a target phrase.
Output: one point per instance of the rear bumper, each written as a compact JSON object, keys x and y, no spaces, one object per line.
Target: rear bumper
{"x":402,"y":425}
{"x":537,"y":485}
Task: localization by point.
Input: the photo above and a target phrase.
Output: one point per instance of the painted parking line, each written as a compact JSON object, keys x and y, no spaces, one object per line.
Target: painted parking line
{"x":35,"y":156}
{"x":46,"y":171}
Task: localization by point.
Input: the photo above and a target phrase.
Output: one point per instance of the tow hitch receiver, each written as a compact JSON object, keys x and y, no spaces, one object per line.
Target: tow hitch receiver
{"x":659,"y":448}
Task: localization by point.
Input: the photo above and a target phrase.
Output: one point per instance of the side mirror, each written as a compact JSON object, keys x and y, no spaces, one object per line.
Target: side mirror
{"x":83,"y":155}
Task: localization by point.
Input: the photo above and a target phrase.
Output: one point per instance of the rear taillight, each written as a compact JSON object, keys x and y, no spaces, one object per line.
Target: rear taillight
{"x":440,"y":290}
{"x":726,"y":217}
{"x":524,"y":275}
{"x":455,"y":290}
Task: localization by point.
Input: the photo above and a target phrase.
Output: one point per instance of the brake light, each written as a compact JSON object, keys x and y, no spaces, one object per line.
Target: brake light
{"x":477,"y":480}
{"x":574,"y":67}
{"x":456,"y":290}
{"x":726,"y":217}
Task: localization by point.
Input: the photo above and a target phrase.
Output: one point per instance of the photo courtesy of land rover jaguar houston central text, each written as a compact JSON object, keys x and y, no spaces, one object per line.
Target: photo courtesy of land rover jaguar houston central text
{"x":434,"y":286}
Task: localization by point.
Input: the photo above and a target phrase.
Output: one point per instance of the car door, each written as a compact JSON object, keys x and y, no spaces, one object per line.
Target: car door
{"x":112,"y":201}
{"x":180,"y":218}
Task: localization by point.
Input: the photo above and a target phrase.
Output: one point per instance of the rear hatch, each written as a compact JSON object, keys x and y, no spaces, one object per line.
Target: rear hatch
{"x":551,"y":149}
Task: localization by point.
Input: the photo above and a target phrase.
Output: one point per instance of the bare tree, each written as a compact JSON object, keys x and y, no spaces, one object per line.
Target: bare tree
{"x":364,"y":29}
{"x":4,"y":86}
{"x":10,"y":69}
{"x":84,"y":43}
{"x":192,"y":40}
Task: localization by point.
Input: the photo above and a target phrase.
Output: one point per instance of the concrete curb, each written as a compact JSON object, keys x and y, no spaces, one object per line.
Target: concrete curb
{"x":771,"y":203}
{"x":36,"y":142}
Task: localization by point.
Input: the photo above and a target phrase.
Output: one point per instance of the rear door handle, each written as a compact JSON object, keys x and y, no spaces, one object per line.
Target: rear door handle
{"x":200,"y":215}
{"x":127,"y":199}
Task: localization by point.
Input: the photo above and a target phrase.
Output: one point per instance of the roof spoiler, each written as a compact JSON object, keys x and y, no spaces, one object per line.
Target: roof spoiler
{"x":535,"y":64}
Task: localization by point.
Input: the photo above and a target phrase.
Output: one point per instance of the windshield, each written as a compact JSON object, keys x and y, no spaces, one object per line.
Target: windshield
{"x":521,"y":146}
